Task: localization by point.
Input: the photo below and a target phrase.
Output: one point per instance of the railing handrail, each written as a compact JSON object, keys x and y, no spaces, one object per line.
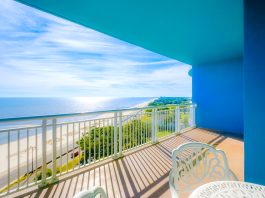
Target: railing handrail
{"x":46,"y":117}
{"x":62,"y":146}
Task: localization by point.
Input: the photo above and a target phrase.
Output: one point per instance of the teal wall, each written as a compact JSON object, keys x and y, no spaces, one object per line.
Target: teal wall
{"x":218,"y":91}
{"x":254,"y":75}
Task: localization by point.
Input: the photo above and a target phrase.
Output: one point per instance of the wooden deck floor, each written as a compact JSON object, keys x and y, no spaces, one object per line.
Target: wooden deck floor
{"x":141,"y":173}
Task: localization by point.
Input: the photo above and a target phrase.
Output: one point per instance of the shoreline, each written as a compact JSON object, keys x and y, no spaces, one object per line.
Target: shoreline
{"x":23,"y":146}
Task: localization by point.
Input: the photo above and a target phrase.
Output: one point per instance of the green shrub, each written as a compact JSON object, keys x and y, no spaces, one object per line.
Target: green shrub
{"x":39,"y":174}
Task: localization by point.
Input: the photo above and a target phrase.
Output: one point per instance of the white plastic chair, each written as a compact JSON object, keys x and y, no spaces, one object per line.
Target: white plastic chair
{"x":195,"y":164}
{"x":91,"y":193}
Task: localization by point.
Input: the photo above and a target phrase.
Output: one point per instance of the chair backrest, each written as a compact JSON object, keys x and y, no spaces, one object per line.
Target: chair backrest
{"x":196,"y":163}
{"x":91,"y":193}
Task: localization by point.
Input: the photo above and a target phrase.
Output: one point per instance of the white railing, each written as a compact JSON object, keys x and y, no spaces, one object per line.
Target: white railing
{"x":38,"y":150}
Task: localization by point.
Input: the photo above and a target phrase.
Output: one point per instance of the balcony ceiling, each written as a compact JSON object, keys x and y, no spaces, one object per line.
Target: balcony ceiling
{"x":192,"y":31}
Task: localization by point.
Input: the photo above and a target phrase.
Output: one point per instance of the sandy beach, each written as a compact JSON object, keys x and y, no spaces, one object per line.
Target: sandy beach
{"x":21,"y":158}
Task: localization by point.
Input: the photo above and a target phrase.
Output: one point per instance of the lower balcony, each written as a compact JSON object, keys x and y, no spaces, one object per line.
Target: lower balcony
{"x":142,"y":172}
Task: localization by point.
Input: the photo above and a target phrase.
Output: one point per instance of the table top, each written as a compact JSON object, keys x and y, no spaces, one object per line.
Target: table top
{"x":229,"y":189}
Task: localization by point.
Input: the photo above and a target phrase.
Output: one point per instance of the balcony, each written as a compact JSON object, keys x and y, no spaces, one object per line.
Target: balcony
{"x":127,"y":152}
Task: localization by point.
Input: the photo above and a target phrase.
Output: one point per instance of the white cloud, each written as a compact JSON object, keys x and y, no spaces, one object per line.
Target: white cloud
{"x":42,"y":55}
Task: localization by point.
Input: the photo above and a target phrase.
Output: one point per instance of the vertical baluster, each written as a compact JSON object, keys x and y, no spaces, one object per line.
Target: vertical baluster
{"x":165,"y":131}
{"x":103,"y":137}
{"x":123,"y":133}
{"x":61,"y":148}
{"x":28,"y":157}
{"x":173,"y":120}
{"x":161,"y":124}
{"x":79,"y":155}
{"x":136,"y":130}
{"x":139,"y":128}
{"x":115,"y":134}
{"x":157,"y":122}
{"x":150,"y":126}
{"x":163,"y":116}
{"x":154,"y":126}
{"x":94,"y":128}
{"x":162,"y":113}
{"x":170,"y":122}
{"x":54,"y":151}
{"x":177,"y":120}
{"x":88,"y":133}
{"x":165,"y":123}
{"x":84,"y":137}
{"x":36,"y":152}
{"x":44,"y":153}
{"x":141,"y":140}
{"x":166,"y":120}
{"x":89,"y":141}
{"x":131,"y":129}
{"x":108,"y":137}
{"x":67,"y":149}
{"x":127,"y":135}
{"x":147,"y":125}
{"x":99,"y":134}
{"x":146,"y":120}
{"x":120,"y":134}
{"x":193,"y":108}
{"x":8,"y":161}
{"x":112,"y":136}
{"x":18,"y":157}
{"x":73,"y":148}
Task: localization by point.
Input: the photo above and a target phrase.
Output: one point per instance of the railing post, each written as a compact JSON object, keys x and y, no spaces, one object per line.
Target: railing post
{"x":192,"y":114}
{"x":115,"y":135}
{"x":154,"y":126}
{"x":44,"y":154}
{"x":177,"y":120}
{"x":54,"y":155}
{"x":120,"y":134}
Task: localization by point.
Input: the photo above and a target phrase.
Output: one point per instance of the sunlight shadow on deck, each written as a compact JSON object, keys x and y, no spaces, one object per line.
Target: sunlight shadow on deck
{"x":142,"y":173}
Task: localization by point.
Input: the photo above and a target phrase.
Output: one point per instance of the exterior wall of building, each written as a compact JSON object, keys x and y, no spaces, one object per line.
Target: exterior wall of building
{"x":254,"y":89}
{"x":218,"y":91}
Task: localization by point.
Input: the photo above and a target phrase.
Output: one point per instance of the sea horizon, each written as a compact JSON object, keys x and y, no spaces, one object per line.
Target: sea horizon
{"x":43,"y":106}
{"x":13,"y":107}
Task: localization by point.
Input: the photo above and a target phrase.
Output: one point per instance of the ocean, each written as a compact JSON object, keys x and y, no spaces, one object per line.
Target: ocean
{"x":23,"y":107}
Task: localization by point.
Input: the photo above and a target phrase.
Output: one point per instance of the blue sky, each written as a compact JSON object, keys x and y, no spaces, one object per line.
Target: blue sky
{"x":42,"y":55}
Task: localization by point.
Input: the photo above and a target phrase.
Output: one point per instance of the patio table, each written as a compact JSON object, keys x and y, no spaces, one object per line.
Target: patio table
{"x":229,"y":189}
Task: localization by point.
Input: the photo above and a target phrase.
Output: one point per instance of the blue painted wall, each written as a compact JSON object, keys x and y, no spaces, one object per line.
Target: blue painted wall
{"x":254,"y":89}
{"x":218,"y":91}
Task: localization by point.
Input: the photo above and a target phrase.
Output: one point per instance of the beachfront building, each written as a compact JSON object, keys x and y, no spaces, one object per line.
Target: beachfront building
{"x":224,"y":42}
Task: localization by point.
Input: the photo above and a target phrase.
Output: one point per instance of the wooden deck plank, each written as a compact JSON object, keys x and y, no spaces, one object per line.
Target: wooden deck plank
{"x":141,"y":173}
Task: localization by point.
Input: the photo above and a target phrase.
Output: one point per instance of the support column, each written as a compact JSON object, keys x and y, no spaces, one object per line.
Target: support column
{"x":254,"y":90}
